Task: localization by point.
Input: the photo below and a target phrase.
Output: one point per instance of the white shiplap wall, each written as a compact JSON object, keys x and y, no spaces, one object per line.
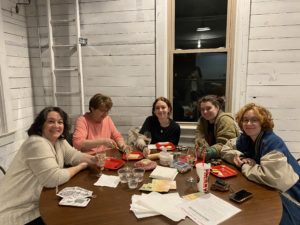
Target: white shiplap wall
{"x":273,"y":77}
{"x":118,"y":61}
{"x":18,"y":77}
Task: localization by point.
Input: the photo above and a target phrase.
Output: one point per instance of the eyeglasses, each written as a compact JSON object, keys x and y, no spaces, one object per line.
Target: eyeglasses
{"x":251,"y":120}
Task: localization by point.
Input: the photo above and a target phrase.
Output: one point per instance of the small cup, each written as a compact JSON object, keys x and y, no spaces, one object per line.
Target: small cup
{"x":132,"y":182}
{"x":139,"y":174}
{"x":203,"y":171}
{"x":123,"y":175}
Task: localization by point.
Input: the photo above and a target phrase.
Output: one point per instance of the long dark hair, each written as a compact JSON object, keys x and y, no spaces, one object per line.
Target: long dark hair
{"x":37,"y":127}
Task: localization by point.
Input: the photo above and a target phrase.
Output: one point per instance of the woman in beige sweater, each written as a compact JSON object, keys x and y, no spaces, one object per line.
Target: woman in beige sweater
{"x":39,"y":163}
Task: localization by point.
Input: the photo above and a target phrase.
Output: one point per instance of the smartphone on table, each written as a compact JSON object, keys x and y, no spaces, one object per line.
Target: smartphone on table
{"x":240,"y":196}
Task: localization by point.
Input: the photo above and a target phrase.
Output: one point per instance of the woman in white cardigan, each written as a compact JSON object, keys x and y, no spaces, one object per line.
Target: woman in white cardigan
{"x":39,"y":163}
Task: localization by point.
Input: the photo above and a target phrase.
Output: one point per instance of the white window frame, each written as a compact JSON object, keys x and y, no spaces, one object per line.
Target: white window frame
{"x":239,"y":59}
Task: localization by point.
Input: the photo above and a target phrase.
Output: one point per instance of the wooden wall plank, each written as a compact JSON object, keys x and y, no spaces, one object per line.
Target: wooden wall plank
{"x":274,"y":68}
{"x":275,"y":31}
{"x":274,"y":79}
{"x":291,"y":55}
{"x":278,"y":7}
{"x":275,"y":44}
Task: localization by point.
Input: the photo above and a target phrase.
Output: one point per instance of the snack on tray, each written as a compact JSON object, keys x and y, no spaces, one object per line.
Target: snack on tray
{"x":133,"y":156}
{"x":146,"y":164}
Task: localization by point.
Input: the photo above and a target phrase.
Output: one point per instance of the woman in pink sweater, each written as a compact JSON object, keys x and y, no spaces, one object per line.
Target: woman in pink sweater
{"x":95,"y":130}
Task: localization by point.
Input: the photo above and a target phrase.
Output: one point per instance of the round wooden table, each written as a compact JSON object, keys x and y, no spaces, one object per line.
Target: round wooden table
{"x":111,"y":206}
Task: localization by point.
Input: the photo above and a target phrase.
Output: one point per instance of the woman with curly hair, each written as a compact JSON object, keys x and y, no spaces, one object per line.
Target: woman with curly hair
{"x":264,"y":158}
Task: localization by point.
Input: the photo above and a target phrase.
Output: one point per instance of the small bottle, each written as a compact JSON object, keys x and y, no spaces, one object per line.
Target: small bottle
{"x":164,"y":157}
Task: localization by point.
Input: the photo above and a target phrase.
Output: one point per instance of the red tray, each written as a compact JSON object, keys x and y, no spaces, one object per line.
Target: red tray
{"x":135,"y":156}
{"x":167,"y":145}
{"x":113,"y":164}
{"x":223,"y":171}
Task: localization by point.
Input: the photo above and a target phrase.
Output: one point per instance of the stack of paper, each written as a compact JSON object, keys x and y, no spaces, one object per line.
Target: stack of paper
{"x":153,"y":204}
{"x":209,"y":210}
{"x":164,"y":173}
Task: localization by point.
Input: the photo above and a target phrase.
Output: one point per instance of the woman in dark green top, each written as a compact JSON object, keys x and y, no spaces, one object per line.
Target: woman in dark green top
{"x":215,"y":127}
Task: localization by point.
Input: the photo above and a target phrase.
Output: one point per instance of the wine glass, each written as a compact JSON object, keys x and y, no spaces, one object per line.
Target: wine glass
{"x":101,"y":157}
{"x":147,"y":134}
{"x":127,"y":151}
{"x":191,"y":159}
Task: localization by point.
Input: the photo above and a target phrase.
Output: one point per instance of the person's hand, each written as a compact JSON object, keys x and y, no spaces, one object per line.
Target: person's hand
{"x":238,"y":161}
{"x":126,"y":148}
{"x":146,"y":151}
{"x":110,"y":143}
{"x":249,"y":161}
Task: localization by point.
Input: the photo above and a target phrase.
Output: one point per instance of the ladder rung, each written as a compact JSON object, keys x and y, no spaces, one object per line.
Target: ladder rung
{"x":65,"y":69}
{"x":62,"y":21}
{"x":67,"y":93}
{"x":63,"y":46}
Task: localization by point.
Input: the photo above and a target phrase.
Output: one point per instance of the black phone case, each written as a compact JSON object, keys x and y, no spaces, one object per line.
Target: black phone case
{"x":240,"y":196}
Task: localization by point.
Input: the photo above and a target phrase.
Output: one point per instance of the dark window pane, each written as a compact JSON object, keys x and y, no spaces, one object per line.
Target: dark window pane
{"x":196,"y":75}
{"x":191,"y":15}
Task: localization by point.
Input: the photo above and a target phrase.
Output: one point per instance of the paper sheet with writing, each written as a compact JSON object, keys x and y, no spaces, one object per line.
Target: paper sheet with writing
{"x":209,"y":210}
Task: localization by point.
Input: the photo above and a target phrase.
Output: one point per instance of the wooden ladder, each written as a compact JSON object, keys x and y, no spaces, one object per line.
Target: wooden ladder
{"x":76,"y":47}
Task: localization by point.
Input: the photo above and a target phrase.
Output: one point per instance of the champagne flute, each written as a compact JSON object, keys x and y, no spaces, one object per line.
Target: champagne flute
{"x":127,"y":151}
{"x":147,"y":140}
{"x":147,"y":134}
{"x":191,"y":158}
{"x":101,"y":157}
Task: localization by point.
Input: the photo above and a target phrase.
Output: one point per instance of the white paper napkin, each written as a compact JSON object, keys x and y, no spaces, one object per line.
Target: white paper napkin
{"x":108,"y":181}
{"x":152,"y":204}
{"x":139,"y":210}
{"x":164,"y":173}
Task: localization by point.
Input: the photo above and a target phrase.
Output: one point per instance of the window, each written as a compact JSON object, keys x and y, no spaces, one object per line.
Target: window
{"x":200,"y":53}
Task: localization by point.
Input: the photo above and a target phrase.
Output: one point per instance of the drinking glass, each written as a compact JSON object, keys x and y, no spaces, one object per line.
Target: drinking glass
{"x":138,"y":173}
{"x":127,"y":151}
{"x":191,"y":159}
{"x":147,"y":134}
{"x":122,"y":174}
{"x":101,"y":157}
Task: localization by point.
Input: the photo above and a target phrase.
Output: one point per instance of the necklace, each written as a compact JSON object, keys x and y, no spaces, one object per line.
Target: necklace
{"x":164,"y":123}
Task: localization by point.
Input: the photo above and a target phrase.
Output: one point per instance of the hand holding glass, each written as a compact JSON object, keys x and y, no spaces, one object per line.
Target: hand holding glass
{"x":101,"y":157}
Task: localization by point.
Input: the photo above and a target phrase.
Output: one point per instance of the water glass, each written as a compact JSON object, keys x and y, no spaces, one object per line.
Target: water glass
{"x":132,"y":181}
{"x":138,"y":173}
{"x":123,"y":175}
